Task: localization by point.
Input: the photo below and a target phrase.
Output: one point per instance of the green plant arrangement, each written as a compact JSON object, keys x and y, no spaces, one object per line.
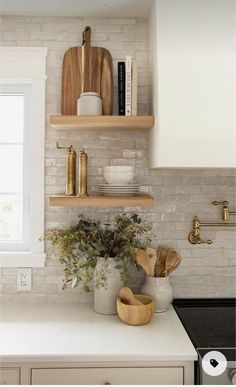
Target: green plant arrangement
{"x":79,"y":247}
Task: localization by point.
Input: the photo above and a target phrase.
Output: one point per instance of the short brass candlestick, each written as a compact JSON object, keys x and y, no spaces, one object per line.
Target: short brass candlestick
{"x":83,"y":173}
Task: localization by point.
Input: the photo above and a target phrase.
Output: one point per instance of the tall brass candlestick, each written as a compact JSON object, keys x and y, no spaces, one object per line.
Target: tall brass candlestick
{"x":83,"y":164}
{"x":70,"y":170}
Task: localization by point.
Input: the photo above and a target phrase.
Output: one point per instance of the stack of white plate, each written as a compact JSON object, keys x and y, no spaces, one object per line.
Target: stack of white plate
{"x":118,"y":178}
{"x":118,"y":190}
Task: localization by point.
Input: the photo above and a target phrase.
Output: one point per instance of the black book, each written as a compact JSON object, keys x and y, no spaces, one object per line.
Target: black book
{"x":121,"y":88}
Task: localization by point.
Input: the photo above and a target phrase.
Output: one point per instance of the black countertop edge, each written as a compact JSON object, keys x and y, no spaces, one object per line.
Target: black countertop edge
{"x":188,"y":302}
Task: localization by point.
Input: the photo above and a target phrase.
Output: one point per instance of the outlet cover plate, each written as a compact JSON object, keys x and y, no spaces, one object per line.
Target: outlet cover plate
{"x":24,"y":279}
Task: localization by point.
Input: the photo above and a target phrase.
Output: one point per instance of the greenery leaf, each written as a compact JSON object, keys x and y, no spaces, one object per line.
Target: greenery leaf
{"x":78,"y":247}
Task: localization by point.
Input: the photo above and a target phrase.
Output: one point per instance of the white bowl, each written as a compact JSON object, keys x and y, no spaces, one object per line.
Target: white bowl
{"x":118,"y":177}
{"x":115,"y":168}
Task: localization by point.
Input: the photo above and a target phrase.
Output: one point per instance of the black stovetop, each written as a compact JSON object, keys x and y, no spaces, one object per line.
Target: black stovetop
{"x":210,"y":323}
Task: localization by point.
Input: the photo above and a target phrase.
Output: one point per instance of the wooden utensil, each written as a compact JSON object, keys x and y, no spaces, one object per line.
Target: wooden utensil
{"x":172,"y":262}
{"x":152,"y":257}
{"x":86,"y":69}
{"x":126,"y":294}
{"x":136,"y":314}
{"x":160,"y":262}
{"x":143,"y":260}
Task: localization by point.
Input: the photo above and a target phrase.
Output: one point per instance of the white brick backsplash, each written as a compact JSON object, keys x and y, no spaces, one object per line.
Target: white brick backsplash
{"x":205,"y":271}
{"x":123,"y":21}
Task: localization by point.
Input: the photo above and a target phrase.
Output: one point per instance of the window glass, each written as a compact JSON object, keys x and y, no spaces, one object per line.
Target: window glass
{"x":11,"y":117}
{"x":11,"y":218}
{"x":13,"y":167}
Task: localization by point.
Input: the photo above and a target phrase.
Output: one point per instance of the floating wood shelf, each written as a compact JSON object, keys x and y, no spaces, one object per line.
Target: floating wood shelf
{"x":101,"y":122}
{"x":102,"y":201}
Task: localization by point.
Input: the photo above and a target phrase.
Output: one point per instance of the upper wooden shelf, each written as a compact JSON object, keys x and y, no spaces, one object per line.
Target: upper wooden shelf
{"x":101,"y":122}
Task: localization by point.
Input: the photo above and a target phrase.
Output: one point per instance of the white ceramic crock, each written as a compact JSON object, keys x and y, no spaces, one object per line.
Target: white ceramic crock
{"x":160,"y":290}
{"x":89,"y":104}
{"x":105,"y":296}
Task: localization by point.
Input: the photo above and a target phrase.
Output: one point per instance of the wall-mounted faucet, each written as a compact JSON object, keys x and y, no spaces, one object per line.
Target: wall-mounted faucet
{"x":226,"y":212}
{"x":194,"y":235}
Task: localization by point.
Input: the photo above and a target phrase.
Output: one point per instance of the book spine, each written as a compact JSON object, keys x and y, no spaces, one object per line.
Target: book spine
{"x":121,"y":88}
{"x":134,"y":109}
{"x":128,"y":85}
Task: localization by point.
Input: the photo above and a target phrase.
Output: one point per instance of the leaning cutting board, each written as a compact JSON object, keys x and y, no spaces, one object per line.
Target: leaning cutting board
{"x":86,"y":69}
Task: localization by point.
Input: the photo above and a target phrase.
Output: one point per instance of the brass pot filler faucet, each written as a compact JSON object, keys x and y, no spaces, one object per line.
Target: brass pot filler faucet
{"x":194,"y":235}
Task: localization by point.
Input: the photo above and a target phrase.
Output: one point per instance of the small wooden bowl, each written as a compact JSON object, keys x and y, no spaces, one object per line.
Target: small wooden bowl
{"x":136,"y":314}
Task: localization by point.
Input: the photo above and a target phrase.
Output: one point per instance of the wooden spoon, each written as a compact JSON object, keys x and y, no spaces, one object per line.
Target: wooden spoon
{"x":163,"y":255}
{"x":172,"y":262}
{"x":152,"y":257}
{"x":127,"y":295}
{"x":161,"y":261}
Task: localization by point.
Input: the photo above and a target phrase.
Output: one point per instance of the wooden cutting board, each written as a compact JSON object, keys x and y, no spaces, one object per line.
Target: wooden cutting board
{"x":85,"y":69}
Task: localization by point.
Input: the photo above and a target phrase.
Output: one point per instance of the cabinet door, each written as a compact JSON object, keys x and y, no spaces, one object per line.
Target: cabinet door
{"x":160,"y":375}
{"x":9,"y":375}
{"x":193,"y":51}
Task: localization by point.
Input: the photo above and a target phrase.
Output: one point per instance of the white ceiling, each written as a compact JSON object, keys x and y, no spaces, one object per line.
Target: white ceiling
{"x":86,"y":8}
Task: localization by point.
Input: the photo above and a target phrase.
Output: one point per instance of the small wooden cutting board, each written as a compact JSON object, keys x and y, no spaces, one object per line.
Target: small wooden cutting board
{"x":86,"y":69}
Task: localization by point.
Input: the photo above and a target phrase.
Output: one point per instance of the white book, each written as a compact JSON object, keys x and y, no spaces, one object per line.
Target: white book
{"x":128,"y":85}
{"x":134,"y":91}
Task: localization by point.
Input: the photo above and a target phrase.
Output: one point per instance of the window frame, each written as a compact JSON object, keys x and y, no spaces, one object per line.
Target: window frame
{"x":27,"y":66}
{"x":21,"y":89}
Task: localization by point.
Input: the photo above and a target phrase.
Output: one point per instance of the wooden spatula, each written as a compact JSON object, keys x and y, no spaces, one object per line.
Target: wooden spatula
{"x":152,"y":257}
{"x":144,"y":261}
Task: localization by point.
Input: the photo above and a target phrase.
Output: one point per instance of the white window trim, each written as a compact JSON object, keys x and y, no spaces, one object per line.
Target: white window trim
{"x":18,"y":89}
{"x":27,"y":65}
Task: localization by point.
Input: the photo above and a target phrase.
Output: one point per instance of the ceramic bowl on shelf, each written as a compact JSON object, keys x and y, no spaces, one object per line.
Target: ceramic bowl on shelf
{"x":118,"y":175}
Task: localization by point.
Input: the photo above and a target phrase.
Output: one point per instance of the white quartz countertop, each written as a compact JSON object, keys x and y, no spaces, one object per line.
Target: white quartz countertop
{"x":76,"y":331}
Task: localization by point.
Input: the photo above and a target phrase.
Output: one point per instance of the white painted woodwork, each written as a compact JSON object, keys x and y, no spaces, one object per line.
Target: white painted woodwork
{"x":118,"y":376}
{"x":27,"y":65}
{"x":193,"y":74}
{"x":9,"y":376}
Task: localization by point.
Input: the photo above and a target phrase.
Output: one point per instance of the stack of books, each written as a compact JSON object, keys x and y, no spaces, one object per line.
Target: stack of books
{"x":127,"y":87}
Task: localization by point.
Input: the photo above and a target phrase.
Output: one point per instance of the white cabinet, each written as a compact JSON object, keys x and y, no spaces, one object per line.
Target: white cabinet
{"x":9,"y":376}
{"x":59,"y":376}
{"x":193,"y":80}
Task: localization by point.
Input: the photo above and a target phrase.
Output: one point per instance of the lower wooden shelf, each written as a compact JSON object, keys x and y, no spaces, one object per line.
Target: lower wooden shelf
{"x":102,"y":201}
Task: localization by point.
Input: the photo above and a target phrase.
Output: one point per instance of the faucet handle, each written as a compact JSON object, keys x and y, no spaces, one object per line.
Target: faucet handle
{"x":208,"y":241}
{"x":223,"y":203}
{"x":226,"y":212}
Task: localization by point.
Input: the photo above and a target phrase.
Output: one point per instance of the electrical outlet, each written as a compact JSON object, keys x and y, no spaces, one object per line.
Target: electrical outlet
{"x":24,"y":281}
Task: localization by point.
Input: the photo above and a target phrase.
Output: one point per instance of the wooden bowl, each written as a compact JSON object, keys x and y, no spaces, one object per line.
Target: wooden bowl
{"x":136,"y":314}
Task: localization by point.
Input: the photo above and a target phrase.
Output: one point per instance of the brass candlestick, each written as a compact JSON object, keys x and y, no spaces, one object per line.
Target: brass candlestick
{"x":83,"y":164}
{"x":70,"y":170}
